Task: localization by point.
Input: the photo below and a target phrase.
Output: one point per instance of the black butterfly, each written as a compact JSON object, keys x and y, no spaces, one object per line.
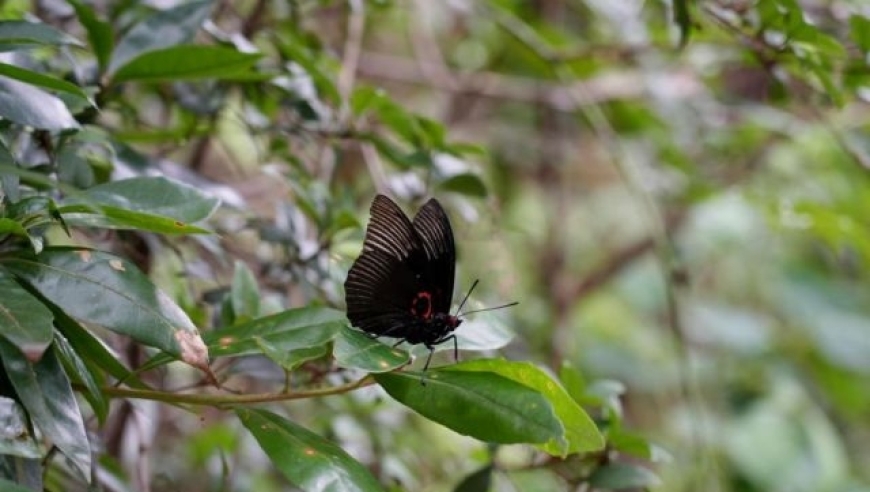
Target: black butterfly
{"x":401,"y":286}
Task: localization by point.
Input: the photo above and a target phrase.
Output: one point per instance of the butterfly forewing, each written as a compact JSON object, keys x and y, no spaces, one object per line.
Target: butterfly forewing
{"x":433,"y":228}
{"x":390,"y":230}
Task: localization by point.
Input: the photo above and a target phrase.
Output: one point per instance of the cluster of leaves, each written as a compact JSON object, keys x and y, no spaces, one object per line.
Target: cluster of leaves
{"x":108,"y":266}
{"x":68,"y":123}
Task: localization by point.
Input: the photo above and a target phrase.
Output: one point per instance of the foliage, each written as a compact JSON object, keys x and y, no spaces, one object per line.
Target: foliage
{"x":681,"y":205}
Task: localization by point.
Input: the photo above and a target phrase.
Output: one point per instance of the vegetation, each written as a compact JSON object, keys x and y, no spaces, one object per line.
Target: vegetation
{"x":676,"y":193}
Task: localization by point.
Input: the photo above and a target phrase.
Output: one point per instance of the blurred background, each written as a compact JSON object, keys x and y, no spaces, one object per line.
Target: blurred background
{"x":677,"y":193}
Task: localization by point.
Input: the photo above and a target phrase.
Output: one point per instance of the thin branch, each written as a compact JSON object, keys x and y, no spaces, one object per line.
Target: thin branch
{"x":229,"y":400}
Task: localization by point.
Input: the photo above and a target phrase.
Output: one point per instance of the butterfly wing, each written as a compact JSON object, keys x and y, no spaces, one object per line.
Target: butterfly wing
{"x":400,"y":262}
{"x":436,"y":235}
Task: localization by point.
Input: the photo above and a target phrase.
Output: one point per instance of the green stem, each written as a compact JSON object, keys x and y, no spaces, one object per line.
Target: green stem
{"x":230,"y":400}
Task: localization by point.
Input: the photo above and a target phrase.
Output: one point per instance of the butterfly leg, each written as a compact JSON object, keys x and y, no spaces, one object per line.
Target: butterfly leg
{"x":426,"y":366}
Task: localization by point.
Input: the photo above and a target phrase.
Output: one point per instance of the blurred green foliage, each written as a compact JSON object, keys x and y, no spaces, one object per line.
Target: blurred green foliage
{"x":676,"y":192}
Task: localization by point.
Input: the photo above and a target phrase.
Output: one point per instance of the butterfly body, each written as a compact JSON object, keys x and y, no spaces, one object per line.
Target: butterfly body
{"x":401,"y":285}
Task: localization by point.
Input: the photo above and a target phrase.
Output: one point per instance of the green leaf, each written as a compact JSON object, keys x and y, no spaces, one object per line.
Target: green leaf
{"x":44,"y":81}
{"x":7,"y":486}
{"x":355,"y":349}
{"x":18,"y":34}
{"x":81,"y":374}
{"x":186,"y":63}
{"x":293,"y":358}
{"x":99,"y":32}
{"x":151,"y":203}
{"x":479,"y":481}
{"x":467,"y":184}
{"x":483,"y":405}
{"x":46,"y":394}
{"x":860,"y":31}
{"x":295,"y":49}
{"x":24,"y":321}
{"x":244,"y":293}
{"x":162,"y":29}
{"x":289,"y":330}
{"x":9,"y":226}
{"x":110,"y":217}
{"x":619,"y":476}
{"x":26,"y":105}
{"x":15,"y":436}
{"x":304,"y":458}
{"x":99,"y":357}
{"x":683,"y":18}
{"x":581,"y":433}
{"x":100,"y":288}
{"x":629,"y":444}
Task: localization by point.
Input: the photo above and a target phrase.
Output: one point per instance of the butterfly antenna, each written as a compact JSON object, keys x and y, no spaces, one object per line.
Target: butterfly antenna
{"x":467,"y":295}
{"x":490,"y":308}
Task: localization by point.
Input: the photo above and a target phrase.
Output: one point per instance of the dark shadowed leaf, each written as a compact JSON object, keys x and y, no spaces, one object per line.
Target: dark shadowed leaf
{"x":483,"y":405}
{"x":620,"y":476}
{"x":479,"y":481}
{"x":46,"y":394}
{"x":306,"y":459}
{"x":80,"y":374}
{"x":7,"y":486}
{"x":15,"y":436}
{"x":24,"y":320}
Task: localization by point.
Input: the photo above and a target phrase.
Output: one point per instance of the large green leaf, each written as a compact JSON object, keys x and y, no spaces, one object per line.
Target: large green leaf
{"x":98,"y":357}
{"x":111,"y":217}
{"x":42,"y":80}
{"x":306,"y":459}
{"x":18,"y":34}
{"x":357,"y":350}
{"x":99,"y":32}
{"x":26,"y":105}
{"x":81,"y":374}
{"x":581,"y":434}
{"x":288,"y":330}
{"x":244,"y":293}
{"x":162,"y":29}
{"x":96,"y":287}
{"x":146,"y":197}
{"x":187,"y":63}
{"x":466,"y":183}
{"x":483,"y":405}
{"x":46,"y":394}
{"x":24,"y":320}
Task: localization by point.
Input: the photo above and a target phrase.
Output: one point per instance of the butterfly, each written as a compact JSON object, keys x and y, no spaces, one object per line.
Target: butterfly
{"x":401,"y":286}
